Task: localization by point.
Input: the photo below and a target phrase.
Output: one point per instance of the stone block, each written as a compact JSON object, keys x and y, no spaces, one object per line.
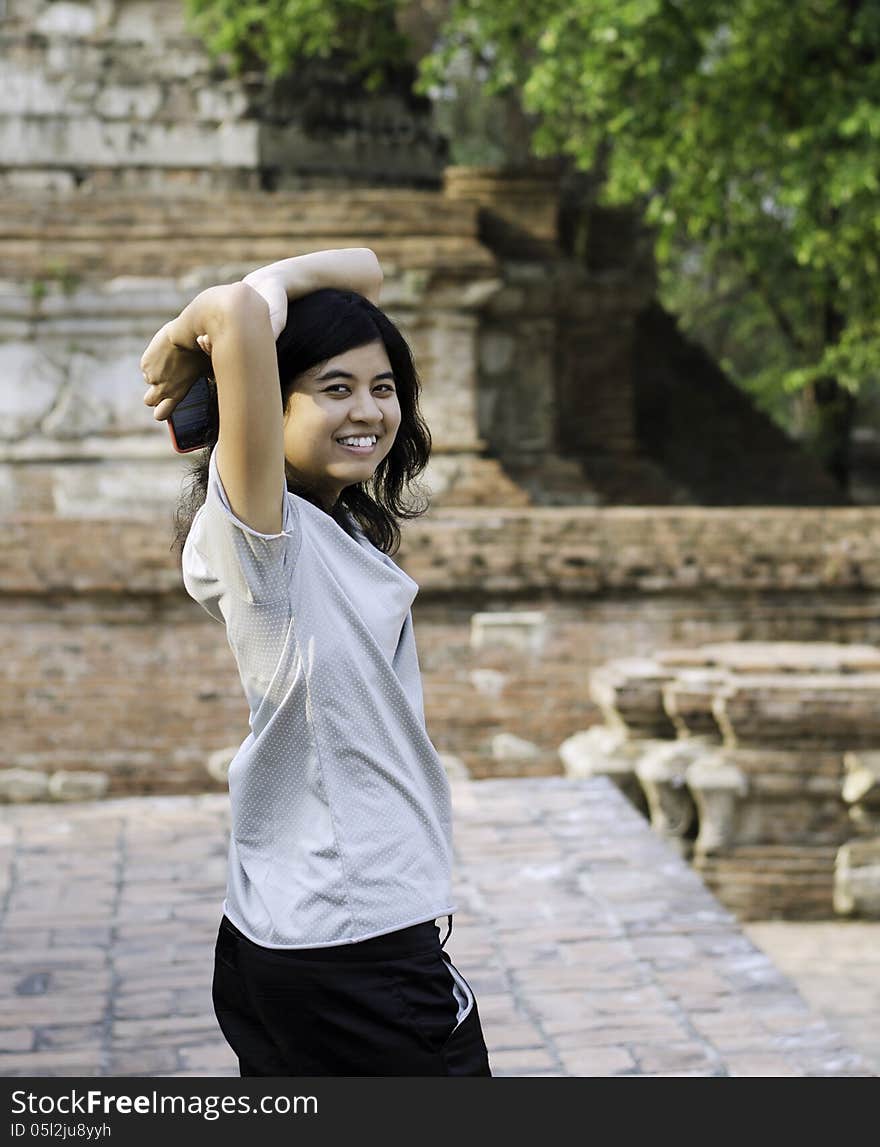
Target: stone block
{"x":629,"y":691}
{"x":763,"y":882}
{"x":813,"y":710}
{"x":488,"y":682}
{"x":149,"y":21}
{"x":66,"y":141}
{"x":662,"y":772}
{"x":78,"y":785}
{"x":857,"y":879}
{"x":36,"y":183}
{"x":522,"y":631}
{"x":861,"y":784}
{"x":688,"y":700}
{"x":66,"y":19}
{"x":220,"y":102}
{"x":30,"y":380}
{"x":20,"y":785}
{"x":752,"y":657}
{"x":716,"y":786}
{"x":609,"y":752}
{"x":507,"y":746}
{"x":129,"y":101}
{"x":30,"y":93}
{"x":797,"y":818}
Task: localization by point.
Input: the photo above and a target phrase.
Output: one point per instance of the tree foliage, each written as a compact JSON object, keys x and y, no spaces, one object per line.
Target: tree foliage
{"x":746,"y":131}
{"x":275,"y":35}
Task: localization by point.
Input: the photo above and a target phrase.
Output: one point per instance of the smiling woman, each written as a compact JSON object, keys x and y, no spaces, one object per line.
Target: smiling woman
{"x":328,"y":958}
{"x":343,"y":368}
{"x":337,"y":433}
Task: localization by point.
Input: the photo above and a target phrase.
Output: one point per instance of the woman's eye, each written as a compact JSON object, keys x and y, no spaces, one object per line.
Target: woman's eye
{"x":341,"y":386}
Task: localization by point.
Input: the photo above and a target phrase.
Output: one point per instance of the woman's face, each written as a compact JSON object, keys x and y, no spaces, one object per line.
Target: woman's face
{"x":353,"y":394}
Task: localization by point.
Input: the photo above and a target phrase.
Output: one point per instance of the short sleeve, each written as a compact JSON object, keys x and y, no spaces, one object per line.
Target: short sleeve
{"x":224,"y":555}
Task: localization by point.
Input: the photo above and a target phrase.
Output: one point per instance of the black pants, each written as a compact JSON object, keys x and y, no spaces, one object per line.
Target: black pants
{"x":383,"y":1006}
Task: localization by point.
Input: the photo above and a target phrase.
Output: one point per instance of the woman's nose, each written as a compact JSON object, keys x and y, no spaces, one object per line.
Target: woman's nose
{"x":366,"y":409}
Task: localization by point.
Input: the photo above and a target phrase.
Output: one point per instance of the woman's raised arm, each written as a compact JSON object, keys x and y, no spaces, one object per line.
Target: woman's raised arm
{"x":348,"y":268}
{"x":174,"y":358}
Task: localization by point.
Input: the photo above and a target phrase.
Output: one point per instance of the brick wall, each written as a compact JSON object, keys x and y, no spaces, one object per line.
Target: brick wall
{"x":110,"y":667}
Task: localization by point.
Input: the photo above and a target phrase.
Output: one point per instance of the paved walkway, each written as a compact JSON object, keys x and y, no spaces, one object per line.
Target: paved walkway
{"x":593,"y":949}
{"x":836,"y":966}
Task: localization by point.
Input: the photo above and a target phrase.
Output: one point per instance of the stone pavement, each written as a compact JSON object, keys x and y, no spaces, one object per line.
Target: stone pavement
{"x":593,"y":948}
{"x":836,"y":966}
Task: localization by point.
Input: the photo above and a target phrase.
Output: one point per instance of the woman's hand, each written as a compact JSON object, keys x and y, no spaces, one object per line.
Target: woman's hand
{"x":345,"y":268}
{"x":274,"y":290}
{"x":170,"y":371}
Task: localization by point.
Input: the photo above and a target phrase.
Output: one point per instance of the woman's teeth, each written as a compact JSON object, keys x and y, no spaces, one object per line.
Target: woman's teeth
{"x":358,"y":445}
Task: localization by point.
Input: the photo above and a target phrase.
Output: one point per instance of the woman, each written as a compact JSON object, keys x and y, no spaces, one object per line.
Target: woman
{"x":328,"y":959}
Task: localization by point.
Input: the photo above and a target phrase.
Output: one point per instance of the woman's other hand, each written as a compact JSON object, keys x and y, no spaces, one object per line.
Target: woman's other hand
{"x":274,"y":290}
{"x":169,"y":372}
{"x":344,"y":268}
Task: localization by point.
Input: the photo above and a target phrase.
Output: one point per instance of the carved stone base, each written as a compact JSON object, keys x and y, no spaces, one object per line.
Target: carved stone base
{"x":602,"y":751}
{"x":857,"y":879}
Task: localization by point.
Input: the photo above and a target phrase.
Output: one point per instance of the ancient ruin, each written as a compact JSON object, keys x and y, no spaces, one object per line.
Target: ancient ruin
{"x":562,"y":532}
{"x":755,"y":760}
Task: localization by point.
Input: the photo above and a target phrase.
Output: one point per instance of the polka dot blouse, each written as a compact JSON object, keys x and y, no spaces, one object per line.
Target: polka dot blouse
{"x":340,"y":806}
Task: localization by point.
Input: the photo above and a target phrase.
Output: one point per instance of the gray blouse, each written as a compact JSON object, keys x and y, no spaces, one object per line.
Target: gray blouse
{"x":340,"y":806}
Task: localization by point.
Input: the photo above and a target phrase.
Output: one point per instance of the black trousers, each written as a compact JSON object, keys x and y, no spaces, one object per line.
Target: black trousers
{"x":383,"y":1006}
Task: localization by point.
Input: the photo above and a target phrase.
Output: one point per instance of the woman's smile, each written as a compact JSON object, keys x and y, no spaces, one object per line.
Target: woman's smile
{"x":352,"y":449}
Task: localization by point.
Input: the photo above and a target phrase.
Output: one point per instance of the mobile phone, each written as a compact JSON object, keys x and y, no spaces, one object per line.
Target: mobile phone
{"x":189,"y":424}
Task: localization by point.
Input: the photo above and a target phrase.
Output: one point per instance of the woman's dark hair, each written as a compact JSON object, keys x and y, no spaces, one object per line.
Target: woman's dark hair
{"x":321,"y":325}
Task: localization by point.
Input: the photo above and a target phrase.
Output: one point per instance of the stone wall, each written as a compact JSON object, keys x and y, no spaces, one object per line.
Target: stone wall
{"x":150,"y":172}
{"x":757,"y":762}
{"x":75,"y":436}
{"x":134,"y":173}
{"x":119,"y":94}
{"x":110,"y":667}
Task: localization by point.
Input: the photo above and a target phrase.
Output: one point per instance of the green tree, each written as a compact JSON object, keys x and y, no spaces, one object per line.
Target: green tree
{"x":746,"y":132}
{"x":275,"y":35}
